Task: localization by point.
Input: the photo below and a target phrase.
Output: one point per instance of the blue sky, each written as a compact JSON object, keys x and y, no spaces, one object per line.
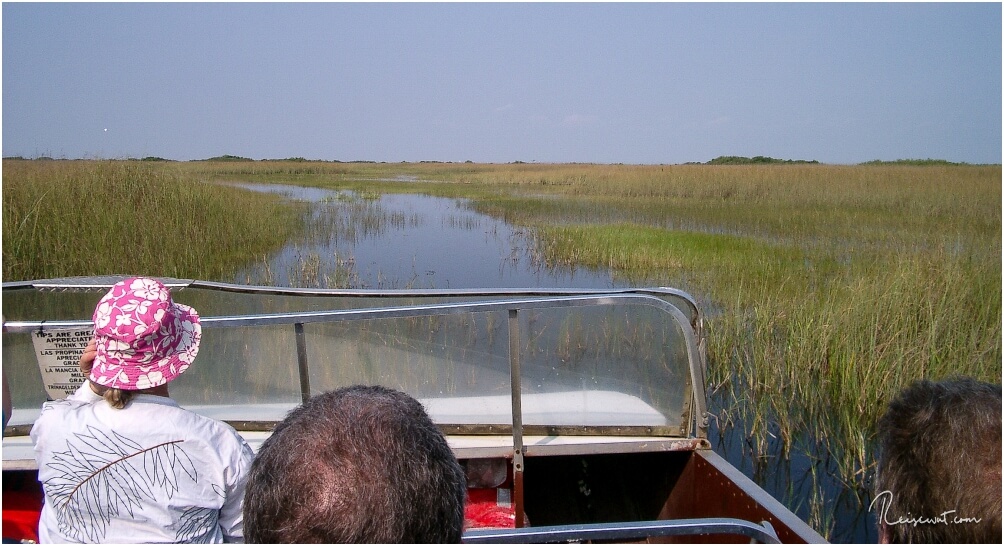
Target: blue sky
{"x":603,"y":83}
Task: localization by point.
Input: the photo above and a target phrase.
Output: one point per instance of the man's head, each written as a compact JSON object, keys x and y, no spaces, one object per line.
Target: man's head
{"x":940,"y":459}
{"x":360,"y":464}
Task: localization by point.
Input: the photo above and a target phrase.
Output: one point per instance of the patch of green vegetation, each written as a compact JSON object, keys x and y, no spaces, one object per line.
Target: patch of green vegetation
{"x":646,"y":254}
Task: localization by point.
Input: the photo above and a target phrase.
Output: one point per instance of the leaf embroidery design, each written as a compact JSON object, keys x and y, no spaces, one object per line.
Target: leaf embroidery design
{"x":101,"y":476}
{"x":194,"y":523}
{"x":195,"y":520}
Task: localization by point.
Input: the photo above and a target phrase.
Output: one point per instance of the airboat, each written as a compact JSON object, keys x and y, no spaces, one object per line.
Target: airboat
{"x":579,"y":415}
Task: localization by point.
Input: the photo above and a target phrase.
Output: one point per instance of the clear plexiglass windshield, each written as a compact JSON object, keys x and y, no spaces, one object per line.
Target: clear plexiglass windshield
{"x":588,"y":362}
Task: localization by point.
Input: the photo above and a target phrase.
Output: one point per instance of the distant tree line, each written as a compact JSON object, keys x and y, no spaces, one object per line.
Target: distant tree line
{"x":720,"y":160}
{"x":755,"y":160}
{"x":916,"y":162}
{"x":227,"y":157}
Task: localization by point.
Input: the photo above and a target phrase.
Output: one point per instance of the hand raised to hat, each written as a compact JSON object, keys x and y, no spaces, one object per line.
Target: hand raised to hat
{"x":87,"y":359}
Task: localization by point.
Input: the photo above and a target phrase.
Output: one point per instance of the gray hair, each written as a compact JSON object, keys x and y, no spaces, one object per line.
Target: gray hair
{"x":361,"y":464}
{"x":940,"y":451}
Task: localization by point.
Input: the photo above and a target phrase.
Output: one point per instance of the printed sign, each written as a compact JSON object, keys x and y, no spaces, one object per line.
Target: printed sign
{"x":58,"y":353}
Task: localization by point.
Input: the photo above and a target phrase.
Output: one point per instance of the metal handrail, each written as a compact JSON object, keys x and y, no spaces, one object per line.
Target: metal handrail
{"x":105,"y":282}
{"x":407,"y":311}
{"x":621,"y":531}
{"x":70,"y":284}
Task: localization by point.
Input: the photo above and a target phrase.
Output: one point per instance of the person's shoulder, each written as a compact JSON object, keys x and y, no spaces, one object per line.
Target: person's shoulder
{"x":52,"y":408}
{"x":218,"y":432}
{"x":54,"y":415}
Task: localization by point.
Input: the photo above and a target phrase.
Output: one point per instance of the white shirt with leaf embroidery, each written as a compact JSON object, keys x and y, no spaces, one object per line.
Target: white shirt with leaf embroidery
{"x":150,"y":472}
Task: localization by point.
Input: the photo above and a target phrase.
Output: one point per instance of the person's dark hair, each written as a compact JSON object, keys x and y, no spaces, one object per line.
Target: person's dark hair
{"x":940,"y":457}
{"x":357,"y":465}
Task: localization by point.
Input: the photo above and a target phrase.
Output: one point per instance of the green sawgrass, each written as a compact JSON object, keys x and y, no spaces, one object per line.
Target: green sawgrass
{"x":66,"y":218}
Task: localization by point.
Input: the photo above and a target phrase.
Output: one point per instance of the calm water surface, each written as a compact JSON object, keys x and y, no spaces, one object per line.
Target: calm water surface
{"x":409,"y":241}
{"x":398,"y":241}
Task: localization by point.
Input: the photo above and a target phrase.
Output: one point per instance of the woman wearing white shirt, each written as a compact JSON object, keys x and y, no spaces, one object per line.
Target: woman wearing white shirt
{"x":119,"y":460}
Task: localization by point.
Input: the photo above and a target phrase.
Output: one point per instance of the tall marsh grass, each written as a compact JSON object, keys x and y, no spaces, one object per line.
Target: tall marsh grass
{"x":830,"y":287}
{"x":66,"y":218}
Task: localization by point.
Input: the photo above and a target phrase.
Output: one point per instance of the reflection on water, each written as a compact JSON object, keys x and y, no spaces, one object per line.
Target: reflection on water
{"x":805,"y":477}
{"x":407,"y":241}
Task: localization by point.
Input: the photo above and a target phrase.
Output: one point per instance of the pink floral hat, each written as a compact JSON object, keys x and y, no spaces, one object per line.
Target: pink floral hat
{"x":144,"y":339}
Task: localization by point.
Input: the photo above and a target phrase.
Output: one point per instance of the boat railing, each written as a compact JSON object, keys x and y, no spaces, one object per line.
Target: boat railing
{"x":762,"y":533}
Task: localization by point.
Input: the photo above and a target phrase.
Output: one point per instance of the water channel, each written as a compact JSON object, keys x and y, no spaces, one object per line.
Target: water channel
{"x":395,"y":241}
